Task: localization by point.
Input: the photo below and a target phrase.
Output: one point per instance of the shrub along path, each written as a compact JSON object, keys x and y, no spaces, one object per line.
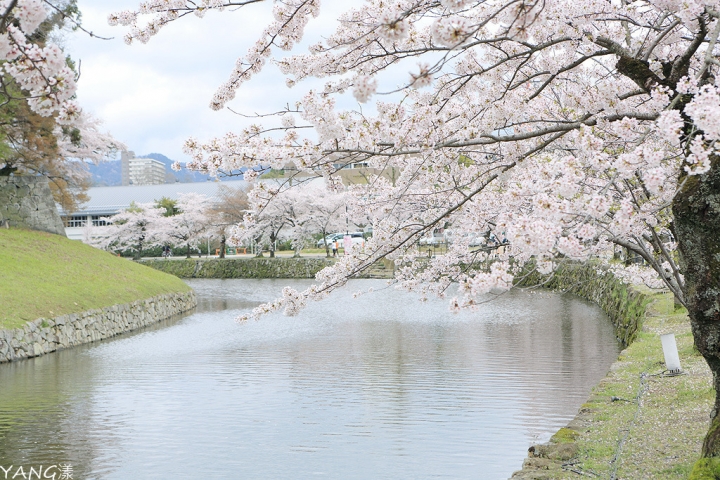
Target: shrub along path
{"x":46,"y":275}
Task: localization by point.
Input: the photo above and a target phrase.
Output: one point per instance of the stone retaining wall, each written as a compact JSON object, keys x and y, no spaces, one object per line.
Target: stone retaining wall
{"x":46,"y":335}
{"x":28,"y":203}
{"x":621,"y":302}
{"x":241,"y":267}
{"x":305,"y":267}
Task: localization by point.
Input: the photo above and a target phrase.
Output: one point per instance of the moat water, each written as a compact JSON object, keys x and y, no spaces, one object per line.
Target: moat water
{"x":378,"y":387}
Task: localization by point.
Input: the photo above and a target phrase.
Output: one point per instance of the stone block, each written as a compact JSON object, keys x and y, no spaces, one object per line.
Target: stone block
{"x":537,"y":463}
{"x":69,"y":330}
{"x":27,"y":202}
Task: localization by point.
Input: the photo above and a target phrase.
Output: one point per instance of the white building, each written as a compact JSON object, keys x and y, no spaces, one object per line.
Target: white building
{"x":141,"y":171}
{"x":107,"y":201}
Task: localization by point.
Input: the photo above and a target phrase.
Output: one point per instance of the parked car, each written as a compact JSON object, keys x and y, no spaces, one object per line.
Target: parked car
{"x":330,"y":238}
{"x":477,"y":240}
{"x":433,"y":240}
{"x":358,"y":238}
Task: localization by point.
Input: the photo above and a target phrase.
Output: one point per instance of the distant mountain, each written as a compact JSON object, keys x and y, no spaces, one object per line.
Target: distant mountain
{"x":183,"y":176}
{"x":107,"y":174}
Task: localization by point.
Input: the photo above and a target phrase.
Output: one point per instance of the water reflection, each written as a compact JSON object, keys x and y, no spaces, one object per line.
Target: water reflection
{"x":377,"y":387}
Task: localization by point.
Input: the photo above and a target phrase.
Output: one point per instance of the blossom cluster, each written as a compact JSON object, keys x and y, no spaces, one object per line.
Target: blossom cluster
{"x":145,"y":225}
{"x":519,"y":131}
{"x":37,"y":73}
{"x":40,"y":71}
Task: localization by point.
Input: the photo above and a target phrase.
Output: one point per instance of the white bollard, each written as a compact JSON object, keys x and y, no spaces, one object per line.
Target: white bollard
{"x":672,"y":359}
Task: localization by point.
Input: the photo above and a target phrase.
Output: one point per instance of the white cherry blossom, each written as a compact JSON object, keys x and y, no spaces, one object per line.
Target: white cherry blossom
{"x":538,"y":132}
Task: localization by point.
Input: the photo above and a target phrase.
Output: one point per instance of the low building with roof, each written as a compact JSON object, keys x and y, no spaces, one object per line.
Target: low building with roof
{"x":105,"y":202}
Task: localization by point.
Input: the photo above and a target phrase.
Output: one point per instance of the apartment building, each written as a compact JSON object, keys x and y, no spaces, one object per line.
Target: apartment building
{"x":141,"y":171}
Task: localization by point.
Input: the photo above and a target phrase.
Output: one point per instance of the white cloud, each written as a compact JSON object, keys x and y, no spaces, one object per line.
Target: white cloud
{"x":154,"y":96}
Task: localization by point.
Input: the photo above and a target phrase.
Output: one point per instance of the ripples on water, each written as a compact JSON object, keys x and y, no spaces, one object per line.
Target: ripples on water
{"x":379,"y":387}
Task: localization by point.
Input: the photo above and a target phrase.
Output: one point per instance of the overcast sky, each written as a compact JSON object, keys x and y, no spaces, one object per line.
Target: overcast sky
{"x":152,"y":97}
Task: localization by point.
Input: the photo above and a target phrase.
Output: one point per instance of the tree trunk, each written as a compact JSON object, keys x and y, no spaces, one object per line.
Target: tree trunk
{"x":272,"y":246}
{"x":258,"y":246}
{"x":138,"y":250}
{"x":188,"y":250}
{"x":222,"y":246}
{"x":327,"y":245}
{"x":696,"y":211}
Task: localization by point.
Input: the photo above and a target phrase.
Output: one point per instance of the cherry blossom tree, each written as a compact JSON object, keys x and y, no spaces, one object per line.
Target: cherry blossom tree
{"x":303,"y":213}
{"x":299,"y":203}
{"x":328,"y":213}
{"x":42,"y":130}
{"x":314,"y":209}
{"x":190,"y":225}
{"x":133,"y":229}
{"x":33,"y":69}
{"x":227,"y":211}
{"x":267,"y":221}
{"x":566,"y":127}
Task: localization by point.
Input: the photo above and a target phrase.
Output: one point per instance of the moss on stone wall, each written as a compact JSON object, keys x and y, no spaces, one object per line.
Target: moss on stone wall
{"x":241,"y":267}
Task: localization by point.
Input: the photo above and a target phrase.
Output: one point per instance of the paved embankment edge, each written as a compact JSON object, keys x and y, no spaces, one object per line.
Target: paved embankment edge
{"x":46,"y":335}
{"x":624,"y":304}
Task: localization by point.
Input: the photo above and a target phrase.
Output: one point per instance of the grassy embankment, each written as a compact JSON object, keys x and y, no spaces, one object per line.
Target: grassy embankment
{"x":639,"y":423}
{"x":45,"y":275}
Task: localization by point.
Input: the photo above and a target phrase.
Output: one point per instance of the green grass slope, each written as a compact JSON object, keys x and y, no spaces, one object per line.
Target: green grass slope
{"x":45,"y":275}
